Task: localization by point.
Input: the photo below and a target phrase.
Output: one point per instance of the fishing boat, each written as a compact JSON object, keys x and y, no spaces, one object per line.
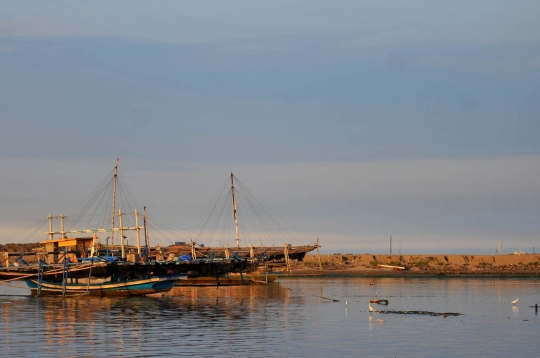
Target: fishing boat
{"x":112,"y":287}
{"x":87,"y":257}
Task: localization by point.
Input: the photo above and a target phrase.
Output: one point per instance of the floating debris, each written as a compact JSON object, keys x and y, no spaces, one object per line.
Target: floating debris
{"x":427,"y":313}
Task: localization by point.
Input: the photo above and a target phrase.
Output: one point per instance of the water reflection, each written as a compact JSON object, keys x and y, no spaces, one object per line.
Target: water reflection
{"x":300,"y":317}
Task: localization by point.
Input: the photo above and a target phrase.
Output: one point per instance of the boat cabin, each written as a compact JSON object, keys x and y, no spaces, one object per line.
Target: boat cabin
{"x":74,"y":248}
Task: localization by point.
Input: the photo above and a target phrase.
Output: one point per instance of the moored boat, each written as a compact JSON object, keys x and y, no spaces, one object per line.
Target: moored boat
{"x":112,"y":287}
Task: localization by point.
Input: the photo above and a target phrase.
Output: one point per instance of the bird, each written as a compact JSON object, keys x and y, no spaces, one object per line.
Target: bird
{"x":515,"y":301}
{"x":346,"y":303}
{"x":371,"y":309}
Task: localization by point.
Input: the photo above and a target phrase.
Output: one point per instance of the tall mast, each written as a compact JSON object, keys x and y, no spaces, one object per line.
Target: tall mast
{"x":138,"y":232}
{"x":146,"y":238}
{"x":114,"y":200}
{"x":234,"y":210}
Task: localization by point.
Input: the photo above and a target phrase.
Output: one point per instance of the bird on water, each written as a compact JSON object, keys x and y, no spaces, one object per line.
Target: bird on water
{"x":515,"y":301}
{"x":371,"y":309}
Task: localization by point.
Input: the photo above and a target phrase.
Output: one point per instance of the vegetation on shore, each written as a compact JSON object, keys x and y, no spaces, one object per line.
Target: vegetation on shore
{"x":424,"y":264}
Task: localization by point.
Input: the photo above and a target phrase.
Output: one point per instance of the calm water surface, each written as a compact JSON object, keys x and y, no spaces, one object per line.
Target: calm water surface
{"x":299,"y":317}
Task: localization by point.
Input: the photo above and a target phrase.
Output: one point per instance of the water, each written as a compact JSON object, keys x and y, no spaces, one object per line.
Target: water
{"x":299,"y":317}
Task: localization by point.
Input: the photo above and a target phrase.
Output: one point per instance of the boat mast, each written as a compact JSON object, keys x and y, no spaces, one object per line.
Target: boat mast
{"x":146,"y":238}
{"x":138,"y":232}
{"x":114,"y":200}
{"x":234,"y":210}
{"x":122,"y":235}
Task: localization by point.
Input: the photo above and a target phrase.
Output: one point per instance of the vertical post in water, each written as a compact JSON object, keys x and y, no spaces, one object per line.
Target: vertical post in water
{"x":65,"y":275}
{"x":114,"y":200}
{"x":319,"y":254}
{"x":40,"y":277}
{"x":234,"y":211}
{"x":286,"y":256}
{"x":89,"y":275}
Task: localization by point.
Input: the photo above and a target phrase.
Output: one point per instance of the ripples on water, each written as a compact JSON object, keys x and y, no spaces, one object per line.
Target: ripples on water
{"x":298,"y":317}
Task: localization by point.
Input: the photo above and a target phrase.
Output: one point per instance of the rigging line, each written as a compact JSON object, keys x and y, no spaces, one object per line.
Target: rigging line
{"x":173,"y":230}
{"x":124,"y":189}
{"x":212,"y":211}
{"x":265,"y":215}
{"x":272,"y":216}
{"x":225,"y":220}
{"x":16,"y":231}
{"x":177,"y":228}
{"x":96,"y":193}
{"x":36,"y":229}
{"x":211,"y":203}
{"x":257,"y":217}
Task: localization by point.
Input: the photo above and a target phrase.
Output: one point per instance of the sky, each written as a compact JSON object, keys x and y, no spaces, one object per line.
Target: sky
{"x":355,"y":121}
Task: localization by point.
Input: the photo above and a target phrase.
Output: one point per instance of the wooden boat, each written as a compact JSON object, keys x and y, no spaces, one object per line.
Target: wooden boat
{"x":394,"y":268}
{"x":112,"y":287}
{"x":380,"y":302}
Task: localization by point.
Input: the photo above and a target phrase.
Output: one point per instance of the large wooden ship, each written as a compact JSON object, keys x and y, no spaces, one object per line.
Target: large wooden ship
{"x":141,"y":260}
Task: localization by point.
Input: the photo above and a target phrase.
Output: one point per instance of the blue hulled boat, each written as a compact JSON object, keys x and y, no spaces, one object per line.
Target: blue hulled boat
{"x":112,"y":287}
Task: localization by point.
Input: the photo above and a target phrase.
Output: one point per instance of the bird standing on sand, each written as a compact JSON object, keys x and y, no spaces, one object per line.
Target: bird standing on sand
{"x":515,"y":301}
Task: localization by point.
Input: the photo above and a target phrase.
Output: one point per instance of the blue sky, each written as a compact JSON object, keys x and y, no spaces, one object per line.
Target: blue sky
{"x":358,"y":120}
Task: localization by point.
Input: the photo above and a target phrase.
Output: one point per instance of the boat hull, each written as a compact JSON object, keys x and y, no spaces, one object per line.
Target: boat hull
{"x":135,"y":287}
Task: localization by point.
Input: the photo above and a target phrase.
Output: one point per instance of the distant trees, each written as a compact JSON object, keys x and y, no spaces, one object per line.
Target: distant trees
{"x":19,"y":247}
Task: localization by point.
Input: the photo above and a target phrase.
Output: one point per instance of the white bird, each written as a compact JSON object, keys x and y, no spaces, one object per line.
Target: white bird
{"x":346,"y":303}
{"x":371,"y":309}
{"x":515,"y":301}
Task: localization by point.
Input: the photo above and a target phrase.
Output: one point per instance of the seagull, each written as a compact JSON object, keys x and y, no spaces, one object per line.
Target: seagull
{"x":371,"y":309}
{"x":515,"y":301}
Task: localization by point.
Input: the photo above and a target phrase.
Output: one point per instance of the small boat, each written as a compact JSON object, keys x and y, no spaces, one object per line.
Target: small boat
{"x":380,"y":302}
{"x":394,"y":268}
{"x":112,"y":287}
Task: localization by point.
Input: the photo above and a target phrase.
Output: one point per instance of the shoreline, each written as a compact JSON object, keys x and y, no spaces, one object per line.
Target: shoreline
{"x":404,"y":274}
{"x":367,"y":265}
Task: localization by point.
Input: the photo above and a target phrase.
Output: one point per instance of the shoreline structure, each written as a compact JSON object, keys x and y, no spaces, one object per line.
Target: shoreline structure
{"x":417,"y":265}
{"x":525,"y":264}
